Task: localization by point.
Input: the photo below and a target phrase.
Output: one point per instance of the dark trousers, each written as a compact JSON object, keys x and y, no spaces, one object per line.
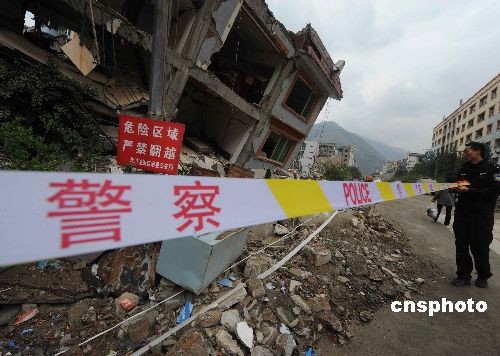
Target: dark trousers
{"x":474,"y":231}
{"x":447,"y":218}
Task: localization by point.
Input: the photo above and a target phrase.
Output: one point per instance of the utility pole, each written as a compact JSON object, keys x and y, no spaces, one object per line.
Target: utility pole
{"x":158,"y":75}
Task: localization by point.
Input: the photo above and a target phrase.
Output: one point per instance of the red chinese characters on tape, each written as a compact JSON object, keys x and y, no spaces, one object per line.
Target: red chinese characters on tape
{"x":89,"y":212}
{"x":356,"y":193}
{"x":195,"y":204}
{"x":148,"y":144}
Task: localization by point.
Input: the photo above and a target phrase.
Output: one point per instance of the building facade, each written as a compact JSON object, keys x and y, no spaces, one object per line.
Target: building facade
{"x":476,"y":119}
{"x":411,"y":160}
{"x":348,"y":155}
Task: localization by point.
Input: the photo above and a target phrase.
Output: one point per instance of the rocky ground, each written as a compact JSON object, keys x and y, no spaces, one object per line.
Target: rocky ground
{"x":356,"y":265}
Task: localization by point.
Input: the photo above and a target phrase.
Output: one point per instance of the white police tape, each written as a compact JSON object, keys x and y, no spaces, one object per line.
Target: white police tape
{"x":45,"y":215}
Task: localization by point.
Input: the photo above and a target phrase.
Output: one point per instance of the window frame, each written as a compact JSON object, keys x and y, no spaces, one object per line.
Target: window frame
{"x":300,"y":74}
{"x":281,"y":129}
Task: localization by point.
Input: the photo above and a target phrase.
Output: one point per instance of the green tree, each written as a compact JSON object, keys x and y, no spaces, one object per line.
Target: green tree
{"x":44,"y":120}
{"x":330,"y":171}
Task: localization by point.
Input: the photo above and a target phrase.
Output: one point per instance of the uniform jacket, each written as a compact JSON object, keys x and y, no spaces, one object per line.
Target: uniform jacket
{"x":484,"y":188}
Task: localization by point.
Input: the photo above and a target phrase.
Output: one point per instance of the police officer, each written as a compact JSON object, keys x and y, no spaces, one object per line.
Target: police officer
{"x":478,"y":189}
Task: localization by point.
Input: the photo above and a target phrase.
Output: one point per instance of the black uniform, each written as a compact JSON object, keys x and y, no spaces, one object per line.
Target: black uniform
{"x":474,"y":218}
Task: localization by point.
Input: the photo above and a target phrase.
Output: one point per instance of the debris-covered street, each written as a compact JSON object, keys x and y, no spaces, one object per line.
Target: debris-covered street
{"x":360,"y":262}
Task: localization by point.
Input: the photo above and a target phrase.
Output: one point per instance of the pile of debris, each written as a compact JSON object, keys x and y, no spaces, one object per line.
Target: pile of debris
{"x":359,"y":263}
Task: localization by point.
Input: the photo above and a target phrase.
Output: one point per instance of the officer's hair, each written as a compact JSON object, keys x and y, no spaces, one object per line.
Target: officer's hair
{"x":477,"y":146}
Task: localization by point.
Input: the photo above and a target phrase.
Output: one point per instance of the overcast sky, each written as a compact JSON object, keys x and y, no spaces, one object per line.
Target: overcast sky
{"x":408,"y":62}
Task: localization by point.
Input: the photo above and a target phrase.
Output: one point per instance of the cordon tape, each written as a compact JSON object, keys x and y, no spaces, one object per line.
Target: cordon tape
{"x":46,"y":215}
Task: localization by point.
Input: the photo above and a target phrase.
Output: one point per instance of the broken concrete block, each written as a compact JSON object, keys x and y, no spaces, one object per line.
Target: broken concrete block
{"x":293,"y":285}
{"x":210,"y":318}
{"x":285,"y":345}
{"x":286,"y":317}
{"x":301,"y":303}
{"x":280,"y":230}
{"x":225,"y":341}
{"x":256,"y":288}
{"x":192,"y":343}
{"x":343,"y":279}
{"x":354,"y":222}
{"x":261,"y":351}
{"x":233,"y":299}
{"x":126,"y":302}
{"x":268,"y":315}
{"x":331,"y":321}
{"x":388,"y":289}
{"x":140,"y":330}
{"x":230,"y":318}
{"x":319,"y":303}
{"x":270,"y":334}
{"x":262,"y":230}
{"x":245,"y":334}
{"x":318,"y":254}
{"x":257,"y":264}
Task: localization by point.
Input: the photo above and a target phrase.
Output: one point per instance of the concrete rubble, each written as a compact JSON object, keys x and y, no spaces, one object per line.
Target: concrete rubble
{"x":331,"y":300}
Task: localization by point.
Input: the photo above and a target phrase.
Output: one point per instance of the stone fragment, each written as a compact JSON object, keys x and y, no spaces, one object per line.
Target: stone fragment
{"x":280,"y":230}
{"x":301,"y":303}
{"x":140,"y":330}
{"x":270,"y":333}
{"x":318,"y":254}
{"x":419,"y":281}
{"x":331,"y":321}
{"x":226,"y":341}
{"x":256,"y":288}
{"x":257,"y":264}
{"x":285,"y":344}
{"x":387,"y":289}
{"x":319,"y":303}
{"x":210,"y":318}
{"x":365,"y":316}
{"x":286,"y":317}
{"x":354,"y":222}
{"x":297,"y":272}
{"x":233,"y":299}
{"x":261,"y":351}
{"x":230,"y":318}
{"x":294,"y":285}
{"x":268,"y":315}
{"x":343,"y":279}
{"x":245,"y":334}
{"x":192,"y":343}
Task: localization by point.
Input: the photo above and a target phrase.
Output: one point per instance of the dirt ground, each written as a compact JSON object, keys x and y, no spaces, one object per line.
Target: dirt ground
{"x":442,"y":334}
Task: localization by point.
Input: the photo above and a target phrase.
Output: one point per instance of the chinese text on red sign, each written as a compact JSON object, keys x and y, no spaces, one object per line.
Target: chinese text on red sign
{"x":148,"y":144}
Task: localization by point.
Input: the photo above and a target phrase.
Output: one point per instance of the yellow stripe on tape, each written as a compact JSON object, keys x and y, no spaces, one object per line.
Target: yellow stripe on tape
{"x":426,"y":187}
{"x":299,"y":197}
{"x":385,"y":190}
{"x":409,"y":189}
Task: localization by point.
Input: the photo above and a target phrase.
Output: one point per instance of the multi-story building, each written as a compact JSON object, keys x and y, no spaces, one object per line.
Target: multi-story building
{"x":476,"y":119}
{"x":411,"y":160}
{"x":348,"y":155}
{"x":232,"y":73}
{"x":327,"y":149}
{"x":307,"y":156}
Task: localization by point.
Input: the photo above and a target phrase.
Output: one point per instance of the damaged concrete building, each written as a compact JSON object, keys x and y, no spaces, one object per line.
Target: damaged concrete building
{"x":240,"y":81}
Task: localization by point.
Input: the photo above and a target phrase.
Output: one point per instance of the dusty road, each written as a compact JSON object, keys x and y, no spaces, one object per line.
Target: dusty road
{"x":445,"y":333}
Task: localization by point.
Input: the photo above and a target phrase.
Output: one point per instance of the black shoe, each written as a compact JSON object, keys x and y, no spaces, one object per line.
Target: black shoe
{"x":481,"y":283}
{"x":460,"y":282}
{"x":446,"y":223}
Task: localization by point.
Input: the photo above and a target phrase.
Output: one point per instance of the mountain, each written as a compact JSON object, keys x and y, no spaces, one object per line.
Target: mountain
{"x":388,"y":152}
{"x":370,"y":154}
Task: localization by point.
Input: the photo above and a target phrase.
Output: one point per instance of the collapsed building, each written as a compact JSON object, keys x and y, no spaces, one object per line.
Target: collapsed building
{"x":235,"y":76}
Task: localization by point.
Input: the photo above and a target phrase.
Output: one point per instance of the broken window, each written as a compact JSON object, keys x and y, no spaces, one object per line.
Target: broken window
{"x":301,"y":98}
{"x":247,"y":60}
{"x":277,"y":147}
{"x":280,"y":142}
